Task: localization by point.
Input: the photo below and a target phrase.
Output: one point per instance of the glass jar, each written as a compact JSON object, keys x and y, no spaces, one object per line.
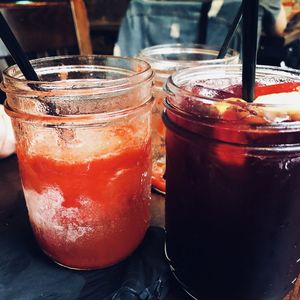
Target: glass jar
{"x":233,"y":173}
{"x":165,"y":60}
{"x":84,"y":151}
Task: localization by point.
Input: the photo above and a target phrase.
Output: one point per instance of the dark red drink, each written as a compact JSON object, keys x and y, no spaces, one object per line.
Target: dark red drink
{"x":233,"y":188}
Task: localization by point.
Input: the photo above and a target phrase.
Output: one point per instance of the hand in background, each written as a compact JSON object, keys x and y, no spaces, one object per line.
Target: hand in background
{"x":7,"y":138}
{"x":281,"y":22}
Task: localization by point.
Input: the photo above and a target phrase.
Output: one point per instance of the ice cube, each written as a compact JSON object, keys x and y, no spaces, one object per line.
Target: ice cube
{"x":200,"y":90}
{"x":50,"y":217}
{"x":236,"y":90}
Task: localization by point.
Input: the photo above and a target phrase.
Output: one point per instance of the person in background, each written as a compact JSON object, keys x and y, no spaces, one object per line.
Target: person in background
{"x":272,"y":21}
{"x":273,"y":17}
{"x":148,"y":23}
{"x":275,"y":23}
{"x":7,"y":139}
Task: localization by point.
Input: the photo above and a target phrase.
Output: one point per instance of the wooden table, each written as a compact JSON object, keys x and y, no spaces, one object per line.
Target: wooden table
{"x":11,"y":193}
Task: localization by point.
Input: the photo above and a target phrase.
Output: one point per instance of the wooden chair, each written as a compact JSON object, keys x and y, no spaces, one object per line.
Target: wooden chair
{"x":49,"y":28}
{"x":46,"y":29}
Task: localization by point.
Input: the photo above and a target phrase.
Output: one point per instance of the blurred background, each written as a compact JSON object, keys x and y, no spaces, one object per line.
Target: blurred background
{"x":107,"y":16}
{"x":136,"y":24}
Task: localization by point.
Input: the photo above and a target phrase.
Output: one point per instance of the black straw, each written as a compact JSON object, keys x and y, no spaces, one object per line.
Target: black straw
{"x":20,"y":58}
{"x":231,"y":32}
{"x":249,"y":48}
{"x":16,"y":51}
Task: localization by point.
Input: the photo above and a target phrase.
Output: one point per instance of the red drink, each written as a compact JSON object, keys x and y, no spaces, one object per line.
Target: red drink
{"x":99,"y":207}
{"x":233,"y":173}
{"x":84,"y":152}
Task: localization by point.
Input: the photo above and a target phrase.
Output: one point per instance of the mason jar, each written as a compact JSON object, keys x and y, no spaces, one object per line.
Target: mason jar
{"x":84,"y":151}
{"x":233,"y":173}
{"x":165,"y":60}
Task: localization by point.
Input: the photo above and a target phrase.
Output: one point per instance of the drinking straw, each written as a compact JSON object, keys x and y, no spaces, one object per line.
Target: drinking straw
{"x":16,"y":51}
{"x":20,"y":57}
{"x":231,"y":33}
{"x":249,"y":48}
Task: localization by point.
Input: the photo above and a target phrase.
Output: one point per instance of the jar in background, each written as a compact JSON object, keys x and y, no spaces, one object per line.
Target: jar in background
{"x":165,"y":60}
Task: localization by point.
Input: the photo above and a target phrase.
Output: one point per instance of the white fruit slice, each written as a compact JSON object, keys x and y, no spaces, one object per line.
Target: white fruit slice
{"x":291,"y":98}
{"x":283,"y":106}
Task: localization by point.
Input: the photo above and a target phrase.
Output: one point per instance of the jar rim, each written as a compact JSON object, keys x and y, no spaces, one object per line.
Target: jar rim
{"x":12,"y":76}
{"x":153,"y":55}
{"x":116,"y":76}
{"x":174,"y":87}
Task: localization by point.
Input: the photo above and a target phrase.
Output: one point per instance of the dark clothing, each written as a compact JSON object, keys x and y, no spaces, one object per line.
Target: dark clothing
{"x":149,"y":23}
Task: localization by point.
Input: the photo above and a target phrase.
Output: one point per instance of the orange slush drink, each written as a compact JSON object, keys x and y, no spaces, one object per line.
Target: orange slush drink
{"x":84,"y":151}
